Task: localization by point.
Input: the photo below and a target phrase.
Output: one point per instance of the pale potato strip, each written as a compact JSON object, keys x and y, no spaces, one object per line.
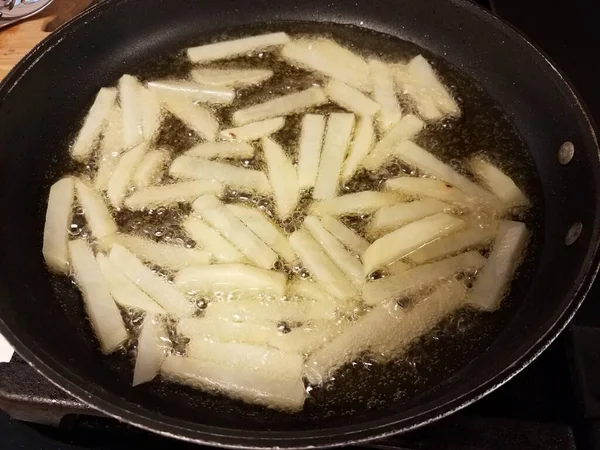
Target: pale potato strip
{"x":306,"y":339}
{"x":428,"y":188}
{"x":56,"y":229}
{"x":193,"y":91}
{"x":95,"y":210}
{"x":384,"y":93}
{"x":309,"y":149}
{"x":111,"y":147}
{"x":283,"y":178}
{"x":363,"y":142}
{"x":364,"y":202}
{"x":253,"y":131}
{"x":499,"y":183}
{"x":227,"y":331}
{"x":210,"y":150}
{"x":350,"y":238}
{"x":169,"y":194}
{"x":351,"y":99}
{"x":420,"y":70}
{"x":238,"y":47}
{"x":151,"y":113}
{"x":237,"y":78}
{"x":150,"y":169}
{"x":131,"y":109}
{"x":393,"y":217}
{"x":210,"y":240}
{"x":199,"y":118}
{"x":152,"y":348}
{"x":122,"y":176}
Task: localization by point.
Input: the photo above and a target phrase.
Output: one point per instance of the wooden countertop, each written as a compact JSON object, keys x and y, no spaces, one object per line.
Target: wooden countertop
{"x":17,"y":40}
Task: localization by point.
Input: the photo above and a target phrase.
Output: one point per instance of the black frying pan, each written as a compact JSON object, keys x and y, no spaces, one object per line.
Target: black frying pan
{"x":45,"y":95}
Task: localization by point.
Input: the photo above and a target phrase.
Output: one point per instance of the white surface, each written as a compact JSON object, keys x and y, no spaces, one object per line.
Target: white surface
{"x":6,"y":351}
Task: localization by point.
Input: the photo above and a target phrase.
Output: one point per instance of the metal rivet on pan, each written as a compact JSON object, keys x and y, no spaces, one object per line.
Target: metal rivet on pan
{"x":566,"y":152}
{"x":573,"y":233}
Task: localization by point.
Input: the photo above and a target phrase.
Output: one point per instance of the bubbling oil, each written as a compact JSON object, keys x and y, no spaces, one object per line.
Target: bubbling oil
{"x":367,"y":384}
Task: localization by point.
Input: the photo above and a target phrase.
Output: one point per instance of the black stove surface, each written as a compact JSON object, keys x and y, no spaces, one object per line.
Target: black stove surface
{"x":554,"y":404}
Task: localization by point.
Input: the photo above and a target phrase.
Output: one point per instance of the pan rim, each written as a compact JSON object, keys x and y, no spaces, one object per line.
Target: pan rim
{"x":344,"y":435}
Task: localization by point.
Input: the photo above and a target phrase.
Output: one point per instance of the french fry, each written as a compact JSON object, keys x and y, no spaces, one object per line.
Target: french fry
{"x":122,"y":176}
{"x":351,"y":240}
{"x":321,"y":267}
{"x":407,"y":128}
{"x":189,"y":167}
{"x":152,"y":284}
{"x":393,"y":217}
{"x":364,"y":139}
{"x":494,"y":279}
{"x":264,"y":229}
{"x":235,"y":78}
{"x":413,"y":280}
{"x":281,"y":106}
{"x":56,"y":230}
{"x":150,"y":169}
{"x":358,"y":203}
{"x":404,"y":240}
{"x":226,"y":331}
{"x":253,"y":131}
{"x":347,"y":262}
{"x":193,"y":91}
{"x":230,"y":278}
{"x":123,"y":290}
{"x":100,"y":307}
{"x":330,"y":59}
{"x":93,"y":124}
{"x":473,"y":237}
{"x":396,"y":267}
{"x":237,"y":47}
{"x":170,"y":194}
{"x":210,"y":240}
{"x":152,"y":348}
{"x":213,"y":211}
{"x":384,"y":93}
{"x":151,"y":113}
{"x":95,"y":210}
{"x":499,"y":183}
{"x":257,"y":386}
{"x":305,"y":339}
{"x":428,"y":188}
{"x":337,"y":139}
{"x":311,"y":290}
{"x":110,"y":148}
{"x":309,"y":151}
{"x":131,"y":109}
{"x":351,"y":99}
{"x":199,"y":118}
{"x":421,"y":70}
{"x":282,"y":176}
{"x":210,"y":150}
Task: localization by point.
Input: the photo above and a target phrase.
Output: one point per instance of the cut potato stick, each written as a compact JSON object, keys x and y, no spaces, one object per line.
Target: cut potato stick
{"x":230,"y":278}
{"x":122,"y":176}
{"x":198,"y":118}
{"x":364,"y":139}
{"x":309,"y":151}
{"x":253,"y":131}
{"x":58,"y":220}
{"x":150,"y":169}
{"x":475,"y":236}
{"x":306,"y":339}
{"x":372,"y":331}
{"x":320,"y":305}
{"x":152,"y":284}
{"x":227,"y":331}
{"x":131,"y":109}
{"x":94,"y":123}
{"x":499,"y":183}
{"x":110,"y":149}
{"x":351,"y":240}
{"x":407,"y":128}
{"x":414,"y":280}
{"x":237,"y":47}
{"x":123,"y":290}
{"x":494,"y":279}
{"x":264,"y":229}
{"x":95,"y":210}
{"x":282,"y":176}
{"x":384,"y":93}
{"x":101,"y":309}
{"x":350,"y":98}
{"x":398,"y":244}
{"x":254,"y":387}
{"x":396,"y":267}
{"x":393,"y":217}
{"x":210,"y":240}
{"x":331,"y":59}
{"x":310,"y":290}
{"x":281,"y":106}
{"x":359,"y":203}
{"x":193,"y":91}
{"x":349,"y":263}
{"x":170,"y":194}
{"x":337,"y":138}
{"x":428,"y":188}
{"x":168,"y":256}
{"x":214,"y":212}
{"x":210,"y":150}
{"x":151,"y":113}
{"x":189,"y":167}
{"x":152,"y":348}
{"x":235,"y":78}
{"x":321,"y":267}
{"x":421,"y":70}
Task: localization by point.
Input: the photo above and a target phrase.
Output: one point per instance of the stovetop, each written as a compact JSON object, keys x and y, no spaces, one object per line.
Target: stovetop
{"x":554,"y":404}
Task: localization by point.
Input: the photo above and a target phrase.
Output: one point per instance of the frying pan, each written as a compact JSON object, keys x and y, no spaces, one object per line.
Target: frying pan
{"x":43,"y":98}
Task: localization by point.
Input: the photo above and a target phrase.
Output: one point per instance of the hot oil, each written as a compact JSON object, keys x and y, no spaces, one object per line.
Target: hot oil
{"x":367,"y":384}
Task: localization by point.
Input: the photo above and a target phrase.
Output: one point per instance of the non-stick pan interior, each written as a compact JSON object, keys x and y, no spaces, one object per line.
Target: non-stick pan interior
{"x":40,"y":105}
